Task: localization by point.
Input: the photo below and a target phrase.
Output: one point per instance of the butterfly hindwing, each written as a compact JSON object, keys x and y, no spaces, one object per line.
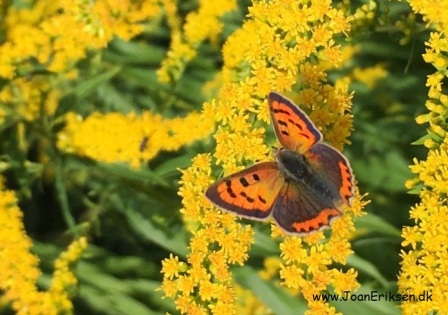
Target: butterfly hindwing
{"x":250,"y":193}
{"x":292,"y":126}
{"x":298,"y":210}
{"x":335,"y":167}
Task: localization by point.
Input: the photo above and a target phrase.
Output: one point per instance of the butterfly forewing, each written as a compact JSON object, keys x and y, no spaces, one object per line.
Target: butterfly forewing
{"x":250,"y":192}
{"x":292,"y":126}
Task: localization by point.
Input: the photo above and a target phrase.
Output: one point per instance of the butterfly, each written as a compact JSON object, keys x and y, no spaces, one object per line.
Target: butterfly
{"x":303,"y":189}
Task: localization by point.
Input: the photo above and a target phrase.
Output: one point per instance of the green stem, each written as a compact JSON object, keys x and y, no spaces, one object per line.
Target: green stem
{"x":62,"y":197}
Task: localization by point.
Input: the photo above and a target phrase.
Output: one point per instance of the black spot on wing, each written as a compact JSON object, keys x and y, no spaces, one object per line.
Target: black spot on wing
{"x":244,"y":182}
{"x":229,"y":189}
{"x":295,"y":124}
{"x":249,"y":199}
{"x":281,"y":122}
{"x":230,"y":192}
{"x":281,"y":111}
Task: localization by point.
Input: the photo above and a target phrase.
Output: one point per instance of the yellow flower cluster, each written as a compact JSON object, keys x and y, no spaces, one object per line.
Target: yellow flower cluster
{"x":203,"y":284}
{"x":115,"y":137}
{"x":63,"y":279}
{"x":248,"y":303}
{"x":27,"y":98}
{"x":199,"y":26}
{"x":283,"y":46}
{"x":19,"y":268}
{"x":364,"y":16}
{"x":57,"y":33}
{"x":370,"y":75}
{"x":424,"y":264}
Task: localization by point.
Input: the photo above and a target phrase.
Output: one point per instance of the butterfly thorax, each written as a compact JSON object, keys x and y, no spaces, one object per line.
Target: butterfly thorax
{"x":296,"y":169}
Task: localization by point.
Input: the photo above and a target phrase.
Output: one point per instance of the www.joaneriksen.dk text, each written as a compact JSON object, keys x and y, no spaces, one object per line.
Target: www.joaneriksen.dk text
{"x":373,"y":296}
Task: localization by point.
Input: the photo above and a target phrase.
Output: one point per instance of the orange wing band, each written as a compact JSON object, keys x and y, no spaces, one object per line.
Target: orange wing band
{"x":322,"y":220}
{"x":346,"y":189}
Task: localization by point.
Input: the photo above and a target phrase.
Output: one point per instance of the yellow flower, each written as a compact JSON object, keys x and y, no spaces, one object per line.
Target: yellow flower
{"x":274,"y":50}
{"x":28,"y":96}
{"x":248,"y":303}
{"x":171,"y":267}
{"x":321,"y":308}
{"x":424,"y":265}
{"x":19,"y":268}
{"x":364,"y":16}
{"x":271,"y":268}
{"x":212,"y":249}
{"x":369,"y":76}
{"x":345,"y":281}
{"x":64,"y":280}
{"x":199,"y":25}
{"x":114,"y":137}
{"x":411,"y":236}
{"x":291,"y":276}
{"x":58,"y":33}
{"x":292,"y":250}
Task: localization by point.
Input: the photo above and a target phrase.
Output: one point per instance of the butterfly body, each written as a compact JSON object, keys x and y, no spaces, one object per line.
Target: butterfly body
{"x":302,"y":190}
{"x":296,"y":170}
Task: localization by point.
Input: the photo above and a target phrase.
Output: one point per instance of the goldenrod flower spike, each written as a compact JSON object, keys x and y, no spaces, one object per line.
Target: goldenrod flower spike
{"x":424,"y":257}
{"x":283,"y":46}
{"x":19,"y":268}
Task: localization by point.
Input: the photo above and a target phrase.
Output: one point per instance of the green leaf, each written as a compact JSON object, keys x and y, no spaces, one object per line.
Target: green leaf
{"x":115,"y":100}
{"x":135,"y":52}
{"x":124,"y":171}
{"x":142,"y":77}
{"x":151,"y":290}
{"x":177,"y":243}
{"x":62,"y":195}
{"x":113,"y":303}
{"x":91,"y":274}
{"x":88,"y":86}
{"x":264,"y":245}
{"x":434,"y":136}
{"x":276,"y":298}
{"x":373,"y":223}
{"x":388,"y":170}
{"x":416,"y":189}
{"x":421,"y":141}
{"x":367,"y":267}
{"x":172,"y":165}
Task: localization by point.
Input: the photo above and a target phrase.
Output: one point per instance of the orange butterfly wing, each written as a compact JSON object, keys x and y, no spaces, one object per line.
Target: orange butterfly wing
{"x":249,"y":193}
{"x":292,"y":126}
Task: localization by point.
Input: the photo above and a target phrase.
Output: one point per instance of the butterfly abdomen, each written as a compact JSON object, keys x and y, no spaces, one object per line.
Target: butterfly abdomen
{"x":296,"y":170}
